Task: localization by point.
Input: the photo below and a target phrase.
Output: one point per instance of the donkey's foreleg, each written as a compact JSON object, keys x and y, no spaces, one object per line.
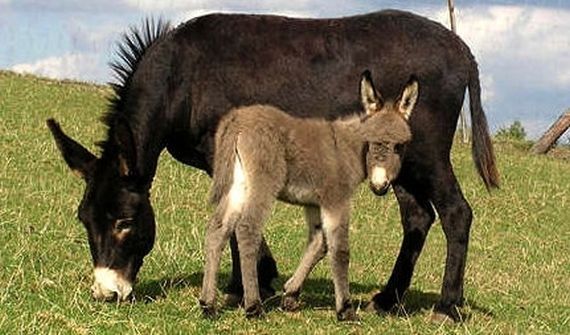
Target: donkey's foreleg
{"x":314,"y":252}
{"x":417,"y":217}
{"x":335,"y":227}
{"x":217,"y":234}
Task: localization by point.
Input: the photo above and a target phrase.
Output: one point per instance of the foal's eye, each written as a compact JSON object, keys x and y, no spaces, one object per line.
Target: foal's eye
{"x":124,"y":224}
{"x":398,"y":148}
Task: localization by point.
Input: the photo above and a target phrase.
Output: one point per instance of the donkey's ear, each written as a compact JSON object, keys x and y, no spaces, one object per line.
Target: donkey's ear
{"x":370,"y":98}
{"x":408,"y":98}
{"x":79,"y":159}
{"x":127,"y":148}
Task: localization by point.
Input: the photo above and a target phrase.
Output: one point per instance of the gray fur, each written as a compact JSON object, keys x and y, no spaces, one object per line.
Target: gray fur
{"x":310,"y":162}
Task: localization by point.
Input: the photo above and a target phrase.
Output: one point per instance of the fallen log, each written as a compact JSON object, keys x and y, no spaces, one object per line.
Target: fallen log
{"x":548,"y":140}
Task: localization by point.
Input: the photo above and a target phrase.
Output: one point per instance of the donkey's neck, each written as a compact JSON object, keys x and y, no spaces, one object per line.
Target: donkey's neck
{"x":149,"y":126}
{"x":143,"y":98}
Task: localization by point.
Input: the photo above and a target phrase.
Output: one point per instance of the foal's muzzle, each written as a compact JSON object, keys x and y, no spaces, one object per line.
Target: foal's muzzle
{"x":381,"y":189}
{"x":379,"y":181}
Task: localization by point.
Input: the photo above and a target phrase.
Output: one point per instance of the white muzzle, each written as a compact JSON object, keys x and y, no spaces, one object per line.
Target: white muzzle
{"x":110,"y":285}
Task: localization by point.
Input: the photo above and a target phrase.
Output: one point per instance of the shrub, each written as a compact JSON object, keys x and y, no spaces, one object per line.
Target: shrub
{"x":515,"y":132}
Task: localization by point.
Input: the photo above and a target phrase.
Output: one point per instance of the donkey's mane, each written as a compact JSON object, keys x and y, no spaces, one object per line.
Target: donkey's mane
{"x":130,"y":50}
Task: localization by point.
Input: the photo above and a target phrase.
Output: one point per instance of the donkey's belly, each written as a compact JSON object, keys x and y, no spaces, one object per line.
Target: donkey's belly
{"x":299,"y":195}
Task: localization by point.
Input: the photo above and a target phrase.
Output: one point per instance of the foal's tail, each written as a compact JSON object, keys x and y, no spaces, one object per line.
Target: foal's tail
{"x":224,"y":159}
{"x":482,"y":150}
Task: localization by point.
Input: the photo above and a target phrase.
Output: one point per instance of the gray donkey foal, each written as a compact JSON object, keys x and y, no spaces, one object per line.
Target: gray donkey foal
{"x":263,"y":154}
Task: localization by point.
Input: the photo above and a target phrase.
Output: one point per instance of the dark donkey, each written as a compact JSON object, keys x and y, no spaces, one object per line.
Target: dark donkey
{"x":264,"y":154}
{"x":176,"y":84}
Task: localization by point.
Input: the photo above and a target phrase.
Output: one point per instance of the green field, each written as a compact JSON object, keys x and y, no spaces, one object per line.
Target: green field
{"x":517,"y":277}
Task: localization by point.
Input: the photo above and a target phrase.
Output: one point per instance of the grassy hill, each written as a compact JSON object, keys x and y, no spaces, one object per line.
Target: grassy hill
{"x":517,"y":278}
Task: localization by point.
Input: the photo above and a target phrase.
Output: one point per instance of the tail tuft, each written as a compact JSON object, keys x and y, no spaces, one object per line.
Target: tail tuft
{"x":482,"y":149}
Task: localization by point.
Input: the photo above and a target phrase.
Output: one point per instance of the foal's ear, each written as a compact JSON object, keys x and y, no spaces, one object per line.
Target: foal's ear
{"x":408,"y":98}
{"x":125,"y":141}
{"x":370,"y":98}
{"x":79,"y":159}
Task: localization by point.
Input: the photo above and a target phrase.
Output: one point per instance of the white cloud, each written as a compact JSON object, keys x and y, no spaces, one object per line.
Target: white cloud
{"x":88,"y":38}
{"x":197,"y":5}
{"x":531,"y":41}
{"x":76,"y":66}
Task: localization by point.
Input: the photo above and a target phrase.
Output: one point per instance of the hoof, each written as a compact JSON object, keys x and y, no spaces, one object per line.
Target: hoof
{"x":382,"y":303}
{"x":441,"y":318}
{"x":290,"y":303}
{"x":447,"y":314}
{"x":233,"y":300}
{"x":371,"y":308}
{"x":347,"y":313}
{"x":208,"y":311}
{"x":254,"y":311}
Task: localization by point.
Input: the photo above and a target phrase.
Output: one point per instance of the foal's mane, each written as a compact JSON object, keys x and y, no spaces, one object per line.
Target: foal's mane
{"x":130,"y":50}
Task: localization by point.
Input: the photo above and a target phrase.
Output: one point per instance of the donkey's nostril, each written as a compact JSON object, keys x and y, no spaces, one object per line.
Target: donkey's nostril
{"x":110,"y":285}
{"x":381,"y":189}
{"x":102,"y":294}
{"x":112,"y":297}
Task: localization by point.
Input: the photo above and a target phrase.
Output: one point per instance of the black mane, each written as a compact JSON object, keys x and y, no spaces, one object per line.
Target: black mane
{"x":131,"y":49}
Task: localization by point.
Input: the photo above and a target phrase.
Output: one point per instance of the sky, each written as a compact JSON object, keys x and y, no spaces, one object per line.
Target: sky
{"x":522,"y":47}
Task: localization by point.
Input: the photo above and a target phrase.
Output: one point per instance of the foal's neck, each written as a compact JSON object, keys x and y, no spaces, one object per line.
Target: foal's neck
{"x":351,"y":145}
{"x":348,"y":130}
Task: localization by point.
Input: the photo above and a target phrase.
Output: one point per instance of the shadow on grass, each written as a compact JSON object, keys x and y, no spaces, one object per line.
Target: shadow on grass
{"x":155,"y":289}
{"x":317,"y":293}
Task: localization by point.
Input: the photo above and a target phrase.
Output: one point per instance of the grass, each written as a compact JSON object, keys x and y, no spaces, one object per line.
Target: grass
{"x":517,"y":271}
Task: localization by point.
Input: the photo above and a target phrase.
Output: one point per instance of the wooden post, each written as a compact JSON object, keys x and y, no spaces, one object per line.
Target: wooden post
{"x":547,"y":141}
{"x":462,"y":122}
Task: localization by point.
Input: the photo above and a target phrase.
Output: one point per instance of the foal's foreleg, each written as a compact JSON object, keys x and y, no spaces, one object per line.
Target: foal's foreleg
{"x":335,"y":227}
{"x":217,"y":234}
{"x":314,"y":252}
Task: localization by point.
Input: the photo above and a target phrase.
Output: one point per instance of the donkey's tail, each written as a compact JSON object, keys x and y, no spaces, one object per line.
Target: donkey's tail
{"x":482,"y":149}
{"x":224,"y":159}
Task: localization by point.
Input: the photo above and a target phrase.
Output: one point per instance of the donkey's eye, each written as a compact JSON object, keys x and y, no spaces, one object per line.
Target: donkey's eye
{"x":124,"y":224}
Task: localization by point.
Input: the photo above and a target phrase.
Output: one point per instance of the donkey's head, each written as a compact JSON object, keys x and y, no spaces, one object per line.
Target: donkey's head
{"x":115,"y":209}
{"x":386,"y":129}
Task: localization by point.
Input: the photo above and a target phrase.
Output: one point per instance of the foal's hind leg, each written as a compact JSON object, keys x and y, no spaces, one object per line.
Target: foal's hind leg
{"x":417,"y":217}
{"x":266,"y":271}
{"x":217,"y":234}
{"x":314,"y":252}
{"x":335,"y":227}
{"x":249,"y":237}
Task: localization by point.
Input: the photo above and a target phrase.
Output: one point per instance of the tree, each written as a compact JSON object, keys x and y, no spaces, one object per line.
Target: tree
{"x":515,"y":132}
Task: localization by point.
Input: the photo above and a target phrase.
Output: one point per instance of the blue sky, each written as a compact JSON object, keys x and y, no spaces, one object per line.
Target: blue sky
{"x":523,"y":47}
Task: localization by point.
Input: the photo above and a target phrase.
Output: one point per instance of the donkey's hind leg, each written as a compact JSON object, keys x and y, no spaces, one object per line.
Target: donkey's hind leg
{"x":217,"y":234}
{"x":335,"y":226}
{"x":316,"y":249}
